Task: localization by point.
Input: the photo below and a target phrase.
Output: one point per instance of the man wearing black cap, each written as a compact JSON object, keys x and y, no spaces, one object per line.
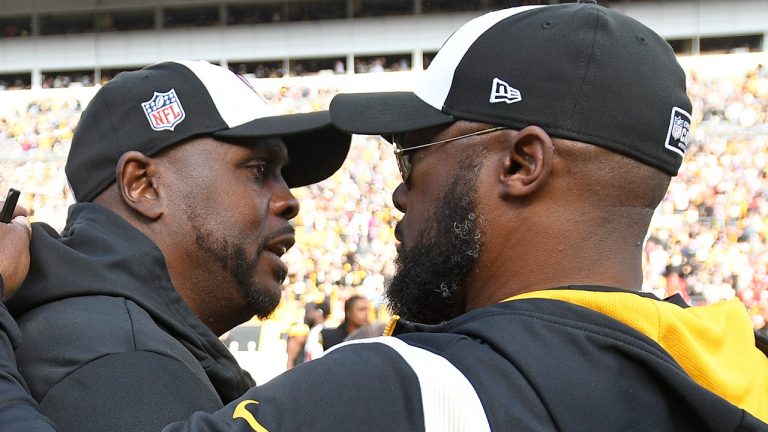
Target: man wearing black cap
{"x":532,"y":159}
{"x":182,"y":176}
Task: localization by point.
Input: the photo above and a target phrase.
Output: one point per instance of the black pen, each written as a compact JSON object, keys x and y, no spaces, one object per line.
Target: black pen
{"x":9,"y":206}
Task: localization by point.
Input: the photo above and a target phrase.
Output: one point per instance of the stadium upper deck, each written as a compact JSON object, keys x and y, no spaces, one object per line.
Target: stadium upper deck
{"x":82,"y":42}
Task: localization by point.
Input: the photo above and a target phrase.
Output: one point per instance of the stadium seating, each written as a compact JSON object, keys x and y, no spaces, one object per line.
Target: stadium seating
{"x":708,"y":241}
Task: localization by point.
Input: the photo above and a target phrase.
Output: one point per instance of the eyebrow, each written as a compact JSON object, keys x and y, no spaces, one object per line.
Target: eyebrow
{"x":273,"y":147}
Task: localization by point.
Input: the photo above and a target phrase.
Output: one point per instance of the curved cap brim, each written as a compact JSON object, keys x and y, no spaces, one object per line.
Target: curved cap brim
{"x":316,"y":148}
{"x":384,"y":113}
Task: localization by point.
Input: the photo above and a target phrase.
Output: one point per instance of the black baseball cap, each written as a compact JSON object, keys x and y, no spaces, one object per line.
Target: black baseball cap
{"x":578,"y":70}
{"x":152,"y":109}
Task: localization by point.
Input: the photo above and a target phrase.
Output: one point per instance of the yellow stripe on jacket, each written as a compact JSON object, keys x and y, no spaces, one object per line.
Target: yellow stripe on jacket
{"x":714,"y":344}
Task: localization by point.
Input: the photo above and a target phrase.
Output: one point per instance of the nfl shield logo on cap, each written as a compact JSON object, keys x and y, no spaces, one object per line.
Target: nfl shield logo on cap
{"x":164,"y":110}
{"x":679,"y":131}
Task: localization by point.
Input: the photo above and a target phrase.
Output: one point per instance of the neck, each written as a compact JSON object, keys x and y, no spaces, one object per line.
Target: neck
{"x":206,"y":288}
{"x":217,"y":312}
{"x":351,"y":327}
{"x":537,"y":255}
{"x":189,"y":269}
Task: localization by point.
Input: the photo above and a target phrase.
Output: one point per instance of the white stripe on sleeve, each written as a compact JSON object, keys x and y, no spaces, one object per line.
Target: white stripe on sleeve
{"x":450,"y":402}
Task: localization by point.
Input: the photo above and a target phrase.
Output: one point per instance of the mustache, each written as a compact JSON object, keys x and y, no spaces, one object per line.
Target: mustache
{"x":279,"y":274}
{"x":274,"y":235}
{"x":288,"y":229}
{"x":399,"y":231}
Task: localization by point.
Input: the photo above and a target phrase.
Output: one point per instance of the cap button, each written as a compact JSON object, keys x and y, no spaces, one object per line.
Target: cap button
{"x":587,"y":1}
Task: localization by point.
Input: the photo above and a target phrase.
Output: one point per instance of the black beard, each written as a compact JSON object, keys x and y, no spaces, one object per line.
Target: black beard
{"x":430,"y":273}
{"x":232,"y":257}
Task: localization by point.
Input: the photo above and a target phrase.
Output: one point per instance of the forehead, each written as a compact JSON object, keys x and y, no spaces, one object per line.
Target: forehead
{"x":270,"y":150}
{"x":209,"y":152}
{"x":271,"y":146}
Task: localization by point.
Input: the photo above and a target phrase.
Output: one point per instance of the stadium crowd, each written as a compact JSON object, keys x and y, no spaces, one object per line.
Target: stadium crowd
{"x":34,"y":142}
{"x":708,"y":240}
{"x":709,"y":237}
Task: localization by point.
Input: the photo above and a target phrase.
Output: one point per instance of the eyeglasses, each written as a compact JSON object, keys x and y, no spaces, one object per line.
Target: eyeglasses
{"x":404,"y":159}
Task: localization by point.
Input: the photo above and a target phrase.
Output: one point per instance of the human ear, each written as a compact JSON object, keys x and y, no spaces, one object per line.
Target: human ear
{"x":527,"y":162}
{"x":137,"y":184}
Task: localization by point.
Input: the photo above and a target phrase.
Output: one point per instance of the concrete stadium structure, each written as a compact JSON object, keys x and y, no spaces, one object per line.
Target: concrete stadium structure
{"x":106,"y":36}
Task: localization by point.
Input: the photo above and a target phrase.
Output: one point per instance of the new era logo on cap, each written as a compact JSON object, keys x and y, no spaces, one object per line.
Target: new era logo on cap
{"x":679,"y":131}
{"x":164,"y":110}
{"x":438,"y":79}
{"x":503,"y":92}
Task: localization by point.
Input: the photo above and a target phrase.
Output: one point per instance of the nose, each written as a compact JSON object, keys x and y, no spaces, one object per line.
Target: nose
{"x":284,"y":204}
{"x":400,"y":198}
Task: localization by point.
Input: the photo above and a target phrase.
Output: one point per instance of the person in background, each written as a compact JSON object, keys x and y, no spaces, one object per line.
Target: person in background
{"x":294,"y":344}
{"x":303,"y":342}
{"x":316,"y":314}
{"x":356,"y":315}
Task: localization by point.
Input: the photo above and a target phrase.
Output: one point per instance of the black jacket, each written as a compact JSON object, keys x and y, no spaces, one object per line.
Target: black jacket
{"x":108,"y":344}
{"x":549,"y":363}
{"x":18,"y":410}
{"x":529,"y":364}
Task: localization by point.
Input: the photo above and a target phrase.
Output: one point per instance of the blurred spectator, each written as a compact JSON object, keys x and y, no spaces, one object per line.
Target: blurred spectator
{"x":708,"y":239}
{"x":356,"y":312}
{"x":315,"y":319}
{"x":71,"y":79}
{"x":393,"y":63}
{"x":338,"y":67}
{"x":297,"y":337}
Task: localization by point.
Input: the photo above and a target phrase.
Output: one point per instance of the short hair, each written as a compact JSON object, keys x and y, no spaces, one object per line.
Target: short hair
{"x":323,"y":307}
{"x":636,"y":184}
{"x":351,"y":302}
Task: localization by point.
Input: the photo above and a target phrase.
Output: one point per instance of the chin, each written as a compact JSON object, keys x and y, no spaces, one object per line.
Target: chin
{"x":263,"y":297}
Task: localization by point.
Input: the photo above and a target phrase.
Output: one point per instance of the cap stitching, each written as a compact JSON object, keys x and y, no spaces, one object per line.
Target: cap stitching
{"x":586,"y":69}
{"x":89,"y":195}
{"x":112,"y":125}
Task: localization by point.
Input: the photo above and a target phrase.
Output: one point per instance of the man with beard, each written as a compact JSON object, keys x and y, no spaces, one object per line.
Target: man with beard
{"x":532,"y":156}
{"x":449,"y":249}
{"x":181,"y":174}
